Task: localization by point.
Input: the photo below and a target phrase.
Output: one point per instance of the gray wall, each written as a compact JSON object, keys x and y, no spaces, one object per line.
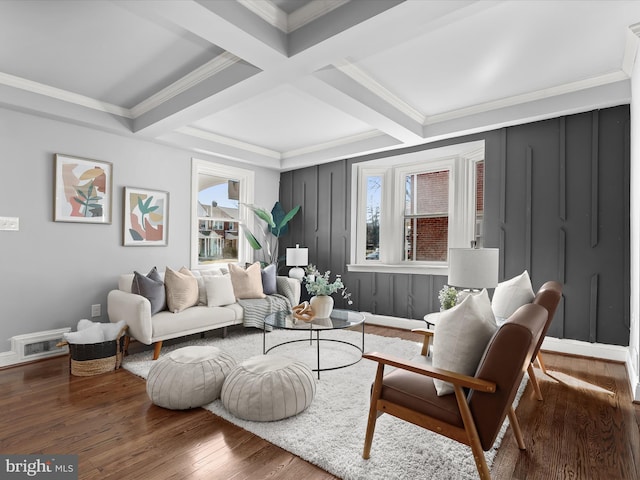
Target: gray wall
{"x":556,"y":203}
{"x":52,"y":272}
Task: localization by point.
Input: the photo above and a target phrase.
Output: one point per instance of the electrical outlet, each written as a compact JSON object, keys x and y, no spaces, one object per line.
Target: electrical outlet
{"x":10,"y":223}
{"x":95,"y":310}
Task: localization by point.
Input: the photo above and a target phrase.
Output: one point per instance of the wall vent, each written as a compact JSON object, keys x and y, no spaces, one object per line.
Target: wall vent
{"x":34,"y":346}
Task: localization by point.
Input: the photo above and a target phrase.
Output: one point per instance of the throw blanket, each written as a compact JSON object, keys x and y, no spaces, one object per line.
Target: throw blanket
{"x":255,"y":309}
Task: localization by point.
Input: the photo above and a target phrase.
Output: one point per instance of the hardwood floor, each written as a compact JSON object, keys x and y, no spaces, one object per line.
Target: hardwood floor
{"x":586,"y":427}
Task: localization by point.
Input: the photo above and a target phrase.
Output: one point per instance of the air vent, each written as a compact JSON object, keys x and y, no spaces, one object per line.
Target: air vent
{"x":33,"y":346}
{"x":42,"y":347}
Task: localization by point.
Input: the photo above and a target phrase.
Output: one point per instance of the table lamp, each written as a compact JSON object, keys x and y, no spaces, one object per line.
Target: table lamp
{"x":473,"y":268}
{"x":296,"y":258}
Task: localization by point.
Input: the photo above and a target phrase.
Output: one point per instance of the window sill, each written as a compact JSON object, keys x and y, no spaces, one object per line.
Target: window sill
{"x":403,"y":269}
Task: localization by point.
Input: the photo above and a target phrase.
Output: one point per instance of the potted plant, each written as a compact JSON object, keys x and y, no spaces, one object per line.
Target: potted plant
{"x":321,"y":287}
{"x":273,"y":225}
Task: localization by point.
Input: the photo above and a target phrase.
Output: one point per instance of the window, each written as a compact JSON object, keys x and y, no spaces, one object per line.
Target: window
{"x":426,"y":216}
{"x":410,"y":209}
{"x":218,"y":191}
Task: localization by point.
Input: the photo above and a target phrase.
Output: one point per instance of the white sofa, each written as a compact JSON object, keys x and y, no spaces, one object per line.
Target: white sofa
{"x":149,"y":329}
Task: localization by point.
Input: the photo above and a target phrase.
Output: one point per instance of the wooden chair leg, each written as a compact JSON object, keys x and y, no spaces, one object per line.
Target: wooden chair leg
{"x":515,"y":426}
{"x":534,"y":382}
{"x":156,"y":350}
{"x":541,"y":363}
{"x":472,"y":434}
{"x":373,"y":412}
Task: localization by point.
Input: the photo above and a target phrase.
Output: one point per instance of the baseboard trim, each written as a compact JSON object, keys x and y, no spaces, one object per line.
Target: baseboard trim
{"x":571,"y":347}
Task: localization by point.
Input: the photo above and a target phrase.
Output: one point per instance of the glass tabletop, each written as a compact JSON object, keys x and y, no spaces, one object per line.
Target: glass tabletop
{"x":339,"y":319}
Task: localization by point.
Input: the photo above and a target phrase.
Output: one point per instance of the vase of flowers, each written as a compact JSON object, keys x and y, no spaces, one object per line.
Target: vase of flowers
{"x":321,"y":287}
{"x":448,"y":297}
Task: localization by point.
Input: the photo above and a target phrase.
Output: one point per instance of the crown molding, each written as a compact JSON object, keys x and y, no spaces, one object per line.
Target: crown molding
{"x":367,"y":81}
{"x":208,"y":70}
{"x":332,"y":144}
{"x":529,"y":97}
{"x":270,"y":13}
{"x":230,"y":142}
{"x":63,"y":95}
{"x":631,"y":48}
{"x":312,"y":11}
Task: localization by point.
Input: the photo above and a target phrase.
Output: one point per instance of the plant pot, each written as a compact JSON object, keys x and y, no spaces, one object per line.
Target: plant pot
{"x":322,"y":305}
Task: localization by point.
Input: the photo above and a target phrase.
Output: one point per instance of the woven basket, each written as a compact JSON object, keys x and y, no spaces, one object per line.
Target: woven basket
{"x":95,"y":358}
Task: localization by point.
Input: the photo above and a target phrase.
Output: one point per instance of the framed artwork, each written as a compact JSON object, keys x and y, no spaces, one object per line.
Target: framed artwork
{"x":146,"y":216}
{"x":82,"y":190}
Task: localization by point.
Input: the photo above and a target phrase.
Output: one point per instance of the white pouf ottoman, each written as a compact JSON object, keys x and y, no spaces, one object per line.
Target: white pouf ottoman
{"x":188,"y":377}
{"x":267,"y":388}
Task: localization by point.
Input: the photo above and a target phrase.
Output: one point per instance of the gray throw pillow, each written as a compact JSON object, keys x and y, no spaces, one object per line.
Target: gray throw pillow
{"x":269,"y":286}
{"x":151,"y":287}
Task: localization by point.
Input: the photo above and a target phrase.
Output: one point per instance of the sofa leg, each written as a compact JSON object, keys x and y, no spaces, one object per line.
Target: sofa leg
{"x":156,"y":350}
{"x":224,"y":332}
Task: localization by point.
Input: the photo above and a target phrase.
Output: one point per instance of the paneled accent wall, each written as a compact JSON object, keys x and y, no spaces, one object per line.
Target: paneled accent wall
{"x":556,"y":204}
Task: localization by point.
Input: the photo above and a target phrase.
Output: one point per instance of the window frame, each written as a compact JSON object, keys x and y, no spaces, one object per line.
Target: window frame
{"x":460,"y":160}
{"x":247,"y":192}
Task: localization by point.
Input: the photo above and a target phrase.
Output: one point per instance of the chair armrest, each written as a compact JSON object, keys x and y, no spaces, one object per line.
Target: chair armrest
{"x":135,"y":310}
{"x":422,"y":369}
{"x":427,"y":332}
{"x":428,"y":336}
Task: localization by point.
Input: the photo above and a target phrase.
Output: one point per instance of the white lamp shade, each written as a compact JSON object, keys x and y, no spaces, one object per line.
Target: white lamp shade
{"x":473,"y":267}
{"x":297,"y":257}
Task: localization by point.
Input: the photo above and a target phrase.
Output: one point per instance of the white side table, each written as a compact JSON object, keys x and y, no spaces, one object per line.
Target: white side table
{"x":432,"y":319}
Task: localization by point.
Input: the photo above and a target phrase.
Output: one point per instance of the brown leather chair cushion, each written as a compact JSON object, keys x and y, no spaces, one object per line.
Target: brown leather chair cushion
{"x":418,"y":393}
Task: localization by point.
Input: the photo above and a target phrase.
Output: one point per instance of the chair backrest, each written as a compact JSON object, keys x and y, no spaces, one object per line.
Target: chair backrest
{"x":504,"y":362}
{"x":548,"y":296}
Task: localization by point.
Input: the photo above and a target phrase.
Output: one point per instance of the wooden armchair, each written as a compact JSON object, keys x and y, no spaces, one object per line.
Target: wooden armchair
{"x":548,"y":295}
{"x":472,"y":418}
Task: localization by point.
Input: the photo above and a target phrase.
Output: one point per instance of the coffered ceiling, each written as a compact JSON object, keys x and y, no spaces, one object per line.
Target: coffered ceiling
{"x":290,"y":83}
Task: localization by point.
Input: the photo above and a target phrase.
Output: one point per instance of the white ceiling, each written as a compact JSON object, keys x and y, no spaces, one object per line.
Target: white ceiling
{"x":289,"y":83}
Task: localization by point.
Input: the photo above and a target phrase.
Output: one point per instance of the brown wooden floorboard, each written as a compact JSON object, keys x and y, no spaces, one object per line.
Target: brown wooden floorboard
{"x":586,"y":428}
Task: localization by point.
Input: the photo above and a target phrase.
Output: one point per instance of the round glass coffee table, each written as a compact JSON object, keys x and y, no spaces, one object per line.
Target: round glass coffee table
{"x":339,"y":320}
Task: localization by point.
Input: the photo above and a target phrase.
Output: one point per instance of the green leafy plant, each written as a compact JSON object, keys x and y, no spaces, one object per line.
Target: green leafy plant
{"x":448,"y":297}
{"x":272,"y":226}
{"x":320,"y":283}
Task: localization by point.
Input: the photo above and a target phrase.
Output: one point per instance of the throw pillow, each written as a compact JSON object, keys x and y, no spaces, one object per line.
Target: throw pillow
{"x":246,"y":283}
{"x":511,"y":295}
{"x":182,"y":289}
{"x":461,"y":336}
{"x":269,"y":286}
{"x":219,"y":291}
{"x":151,"y":287}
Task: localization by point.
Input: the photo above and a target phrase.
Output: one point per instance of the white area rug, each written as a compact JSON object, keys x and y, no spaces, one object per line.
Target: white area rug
{"x":330,"y":433}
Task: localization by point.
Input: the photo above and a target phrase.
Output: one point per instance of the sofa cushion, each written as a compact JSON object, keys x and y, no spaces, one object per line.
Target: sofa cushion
{"x":152,"y":288}
{"x":194,"y":319}
{"x":181,"y":289}
{"x":461,"y":336}
{"x":269,"y":286}
{"x":511,"y":295}
{"x":219,"y":290}
{"x":246,"y":283}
